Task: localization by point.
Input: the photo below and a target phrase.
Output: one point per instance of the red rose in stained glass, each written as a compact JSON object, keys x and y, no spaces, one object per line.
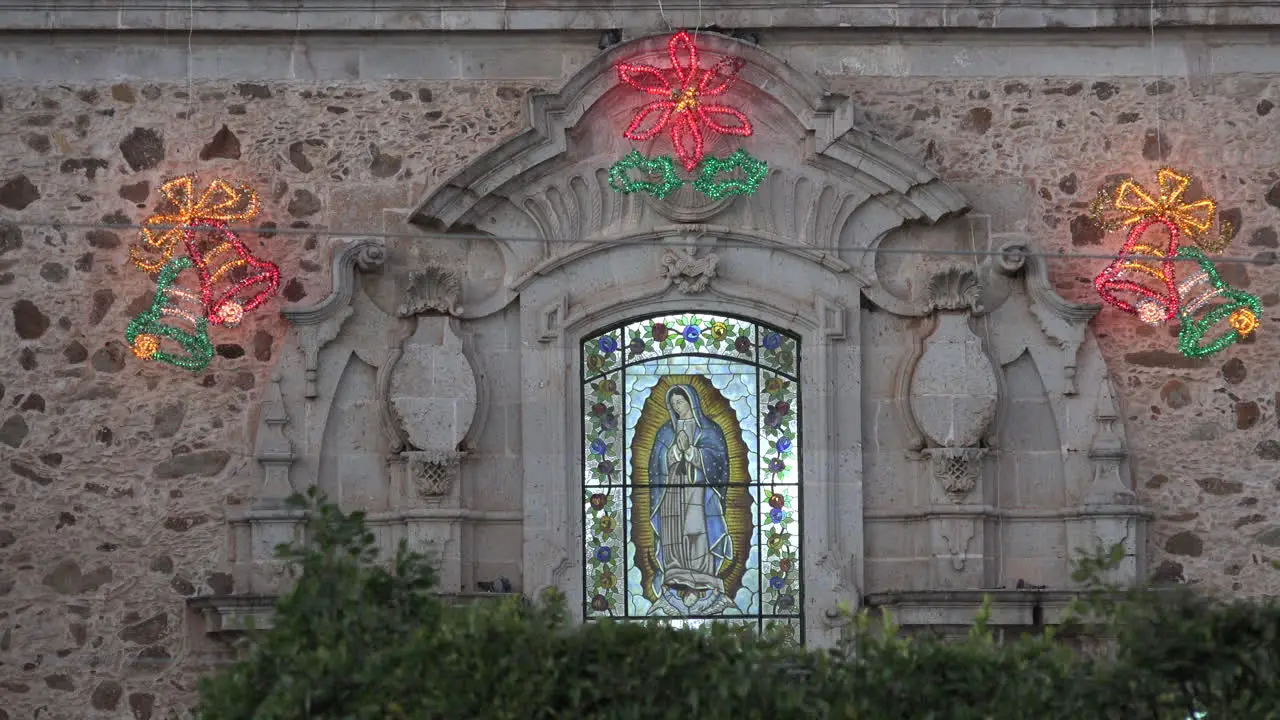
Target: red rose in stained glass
{"x":683,"y":111}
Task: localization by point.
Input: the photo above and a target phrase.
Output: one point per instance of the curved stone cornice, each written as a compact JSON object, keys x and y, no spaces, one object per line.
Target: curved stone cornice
{"x":366,"y":253}
{"x":824,"y":119}
{"x":755,"y":238}
{"x":319,"y":324}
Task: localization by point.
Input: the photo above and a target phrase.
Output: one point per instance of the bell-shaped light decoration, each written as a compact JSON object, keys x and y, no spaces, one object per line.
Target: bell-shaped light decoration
{"x":1141,"y":280}
{"x":1211,"y":307}
{"x":173,"y":330}
{"x":232,"y":281}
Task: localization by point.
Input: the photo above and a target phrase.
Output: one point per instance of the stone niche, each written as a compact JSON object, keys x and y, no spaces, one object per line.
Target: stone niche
{"x":961,"y":434}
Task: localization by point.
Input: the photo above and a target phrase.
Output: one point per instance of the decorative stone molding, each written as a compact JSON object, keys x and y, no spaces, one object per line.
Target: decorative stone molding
{"x":432,"y":388}
{"x":432,"y":289}
{"x":954,"y":289}
{"x":957,"y":536}
{"x":688,"y":272}
{"x":832,"y":316}
{"x":391,"y":426}
{"x":1018,"y":609}
{"x":1108,"y":453}
{"x":687,"y":205}
{"x":540,"y":179}
{"x":433,"y":473}
{"x":319,"y":324}
{"x":953,"y":389}
{"x":275,"y":451}
{"x":552,"y":317}
{"x":957,"y":469}
{"x":1063,"y":322}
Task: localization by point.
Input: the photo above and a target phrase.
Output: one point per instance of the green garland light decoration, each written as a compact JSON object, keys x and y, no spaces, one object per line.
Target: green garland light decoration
{"x":145,"y":331}
{"x":753,"y":171}
{"x":1241,"y":310}
{"x":663,"y":166}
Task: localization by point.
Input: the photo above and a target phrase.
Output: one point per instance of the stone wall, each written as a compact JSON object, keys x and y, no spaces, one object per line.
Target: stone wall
{"x":117,"y":474}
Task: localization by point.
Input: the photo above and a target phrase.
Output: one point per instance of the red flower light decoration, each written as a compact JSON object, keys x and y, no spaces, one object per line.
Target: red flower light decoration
{"x":684,"y":87}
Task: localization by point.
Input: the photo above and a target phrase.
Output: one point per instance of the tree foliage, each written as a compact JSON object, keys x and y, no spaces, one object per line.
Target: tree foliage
{"x":361,"y":638}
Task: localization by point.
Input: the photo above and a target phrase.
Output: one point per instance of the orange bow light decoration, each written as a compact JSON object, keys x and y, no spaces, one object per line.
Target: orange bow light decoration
{"x":1129,"y":204}
{"x":164,"y":231}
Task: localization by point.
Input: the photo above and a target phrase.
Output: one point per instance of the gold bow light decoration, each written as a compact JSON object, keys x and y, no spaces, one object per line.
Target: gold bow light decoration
{"x":1143,"y":281}
{"x":1129,"y":203}
{"x":162,"y":232}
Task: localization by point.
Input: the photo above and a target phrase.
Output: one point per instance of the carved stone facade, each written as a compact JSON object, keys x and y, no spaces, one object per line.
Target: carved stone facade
{"x":970,"y":418}
{"x":947,"y":363}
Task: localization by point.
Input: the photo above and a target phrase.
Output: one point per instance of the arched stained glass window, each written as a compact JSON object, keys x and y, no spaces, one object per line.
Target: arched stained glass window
{"x":691,"y":476}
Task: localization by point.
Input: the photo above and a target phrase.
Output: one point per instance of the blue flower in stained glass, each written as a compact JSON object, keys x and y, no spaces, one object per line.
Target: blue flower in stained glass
{"x":776,"y":515}
{"x":607,"y":344}
{"x":598,"y":447}
{"x":776,"y":582}
{"x":692,"y":333}
{"x":772,"y":341}
{"x":783,"y":444}
{"x":604,"y":553}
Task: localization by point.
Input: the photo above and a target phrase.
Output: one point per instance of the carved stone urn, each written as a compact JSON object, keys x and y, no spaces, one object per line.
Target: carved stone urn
{"x":432,"y":395}
{"x":953,"y":393}
{"x":432,"y":390}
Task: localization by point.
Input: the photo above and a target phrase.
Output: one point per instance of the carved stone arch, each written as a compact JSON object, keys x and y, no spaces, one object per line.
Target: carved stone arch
{"x":833,"y":187}
{"x":816,"y":313}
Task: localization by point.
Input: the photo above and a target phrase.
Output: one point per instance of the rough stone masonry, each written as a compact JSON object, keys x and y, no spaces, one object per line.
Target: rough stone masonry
{"x":117,"y":474}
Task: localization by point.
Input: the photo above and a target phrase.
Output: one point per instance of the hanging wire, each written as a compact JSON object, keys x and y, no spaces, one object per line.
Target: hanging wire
{"x":1155,"y":70}
{"x":191,"y":91}
{"x":693,"y":242}
{"x":663,"y":13}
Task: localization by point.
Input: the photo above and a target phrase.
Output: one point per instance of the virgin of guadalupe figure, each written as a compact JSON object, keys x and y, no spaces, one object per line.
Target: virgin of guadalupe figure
{"x":688,"y":478}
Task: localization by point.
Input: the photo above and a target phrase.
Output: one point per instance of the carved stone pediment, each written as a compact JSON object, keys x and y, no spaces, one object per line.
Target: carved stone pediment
{"x":545,"y":195}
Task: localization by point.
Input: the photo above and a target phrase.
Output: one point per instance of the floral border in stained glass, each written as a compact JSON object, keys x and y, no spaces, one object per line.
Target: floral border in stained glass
{"x":779,"y":413}
{"x":775,"y":354}
{"x":601,"y":354}
{"x":604,"y":552}
{"x":602,"y":401}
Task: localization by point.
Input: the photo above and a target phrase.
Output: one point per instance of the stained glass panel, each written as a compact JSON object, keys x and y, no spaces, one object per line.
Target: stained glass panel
{"x":691,"y":474}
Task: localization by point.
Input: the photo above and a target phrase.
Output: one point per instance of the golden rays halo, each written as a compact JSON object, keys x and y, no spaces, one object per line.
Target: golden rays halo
{"x":737,"y":499}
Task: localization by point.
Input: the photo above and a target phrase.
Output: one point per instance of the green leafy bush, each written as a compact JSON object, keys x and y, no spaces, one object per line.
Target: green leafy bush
{"x":361,"y":639}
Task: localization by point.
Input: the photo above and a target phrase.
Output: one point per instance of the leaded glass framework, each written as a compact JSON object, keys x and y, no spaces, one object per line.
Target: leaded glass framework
{"x":691,"y":473}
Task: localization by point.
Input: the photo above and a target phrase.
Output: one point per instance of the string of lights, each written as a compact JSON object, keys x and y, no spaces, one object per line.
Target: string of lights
{"x":693,"y":232}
